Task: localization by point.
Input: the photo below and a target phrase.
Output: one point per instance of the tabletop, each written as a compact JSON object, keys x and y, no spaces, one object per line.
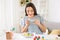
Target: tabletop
{"x":19,"y":36}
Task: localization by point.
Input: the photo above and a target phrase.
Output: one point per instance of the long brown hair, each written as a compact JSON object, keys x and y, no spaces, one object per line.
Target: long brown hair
{"x":31,"y":5}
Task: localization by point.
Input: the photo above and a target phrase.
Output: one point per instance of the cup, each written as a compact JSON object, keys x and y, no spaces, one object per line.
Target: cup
{"x":9,"y":35}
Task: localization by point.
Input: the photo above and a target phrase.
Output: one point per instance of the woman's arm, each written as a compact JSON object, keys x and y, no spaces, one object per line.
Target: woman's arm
{"x":25,"y":28}
{"x":41,"y":26}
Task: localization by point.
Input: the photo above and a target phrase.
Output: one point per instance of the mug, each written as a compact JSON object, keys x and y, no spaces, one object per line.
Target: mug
{"x":9,"y":35}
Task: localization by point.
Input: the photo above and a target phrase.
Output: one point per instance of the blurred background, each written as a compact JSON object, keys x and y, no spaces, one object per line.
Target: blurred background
{"x":12,"y":11}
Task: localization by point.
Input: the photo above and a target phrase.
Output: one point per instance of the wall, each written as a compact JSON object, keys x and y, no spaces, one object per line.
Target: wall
{"x":2,"y":15}
{"x":18,"y":13}
{"x":6,"y":15}
{"x":54,"y":11}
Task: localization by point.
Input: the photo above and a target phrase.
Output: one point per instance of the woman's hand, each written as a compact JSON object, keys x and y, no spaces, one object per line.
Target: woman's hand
{"x":24,"y":29}
{"x":37,"y":22}
{"x":41,"y":26}
{"x":27,"y":23}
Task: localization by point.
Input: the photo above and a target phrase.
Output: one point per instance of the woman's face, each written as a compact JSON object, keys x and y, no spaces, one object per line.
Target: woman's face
{"x":30,"y":12}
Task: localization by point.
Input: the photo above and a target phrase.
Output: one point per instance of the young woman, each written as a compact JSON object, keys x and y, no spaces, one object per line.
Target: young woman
{"x":32,"y":22}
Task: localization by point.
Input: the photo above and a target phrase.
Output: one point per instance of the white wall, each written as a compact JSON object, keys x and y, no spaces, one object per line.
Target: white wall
{"x":54,"y":11}
{"x":2,"y":15}
{"x":6,"y":15}
{"x":18,"y":12}
{"x":9,"y":15}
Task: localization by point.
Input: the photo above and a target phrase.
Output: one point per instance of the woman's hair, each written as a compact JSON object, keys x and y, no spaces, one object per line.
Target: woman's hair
{"x":31,"y":5}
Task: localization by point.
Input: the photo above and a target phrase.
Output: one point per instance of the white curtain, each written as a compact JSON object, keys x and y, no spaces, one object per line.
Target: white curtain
{"x":6,"y":15}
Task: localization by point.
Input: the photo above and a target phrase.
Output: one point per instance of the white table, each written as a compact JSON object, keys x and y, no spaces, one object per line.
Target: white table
{"x":18,"y":36}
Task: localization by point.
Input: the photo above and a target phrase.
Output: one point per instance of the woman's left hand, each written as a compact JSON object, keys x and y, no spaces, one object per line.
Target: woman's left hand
{"x":42,"y":27}
{"x":37,"y":22}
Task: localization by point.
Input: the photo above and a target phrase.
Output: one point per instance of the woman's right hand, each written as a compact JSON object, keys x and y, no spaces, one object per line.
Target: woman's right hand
{"x":24,"y":29}
{"x":27,"y":23}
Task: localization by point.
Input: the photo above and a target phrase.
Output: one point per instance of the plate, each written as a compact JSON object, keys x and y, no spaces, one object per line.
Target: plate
{"x":29,"y":35}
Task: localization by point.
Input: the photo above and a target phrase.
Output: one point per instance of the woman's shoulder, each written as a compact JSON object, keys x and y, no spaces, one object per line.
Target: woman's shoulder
{"x":24,"y":18}
{"x":38,"y":16}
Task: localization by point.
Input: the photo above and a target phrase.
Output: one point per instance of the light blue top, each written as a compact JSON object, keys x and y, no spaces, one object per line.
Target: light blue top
{"x":33,"y":28}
